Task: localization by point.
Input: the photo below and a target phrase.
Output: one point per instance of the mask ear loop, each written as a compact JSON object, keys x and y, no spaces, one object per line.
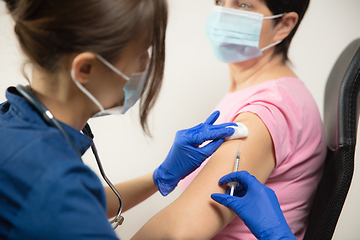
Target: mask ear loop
{"x":275,"y":43}
{"x":271,"y":45}
{"x":86,"y":92}
{"x":112,"y":67}
{"x":274,"y":16}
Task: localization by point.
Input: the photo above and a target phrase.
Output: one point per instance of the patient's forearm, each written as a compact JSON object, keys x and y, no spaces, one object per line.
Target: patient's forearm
{"x":194,"y":215}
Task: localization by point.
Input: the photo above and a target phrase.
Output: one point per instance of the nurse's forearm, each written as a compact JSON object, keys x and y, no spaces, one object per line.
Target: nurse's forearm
{"x":132,"y":193}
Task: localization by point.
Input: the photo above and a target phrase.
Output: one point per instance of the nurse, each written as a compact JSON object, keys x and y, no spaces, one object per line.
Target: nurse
{"x":88,"y":58}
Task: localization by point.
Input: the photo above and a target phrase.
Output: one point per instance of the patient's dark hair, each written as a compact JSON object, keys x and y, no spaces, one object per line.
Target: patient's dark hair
{"x":286,"y":6}
{"x":50,"y":30}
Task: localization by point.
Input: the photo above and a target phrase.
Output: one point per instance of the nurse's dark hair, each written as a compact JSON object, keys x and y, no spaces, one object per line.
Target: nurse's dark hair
{"x":48,"y":31}
{"x":286,"y":6}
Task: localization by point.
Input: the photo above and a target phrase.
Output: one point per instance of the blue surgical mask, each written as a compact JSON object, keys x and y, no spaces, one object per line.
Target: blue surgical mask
{"x":234,"y":34}
{"x":133,"y":89}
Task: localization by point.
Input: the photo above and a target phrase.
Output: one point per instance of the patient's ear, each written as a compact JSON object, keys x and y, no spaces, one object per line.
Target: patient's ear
{"x":286,"y":25}
{"x":82,"y":67}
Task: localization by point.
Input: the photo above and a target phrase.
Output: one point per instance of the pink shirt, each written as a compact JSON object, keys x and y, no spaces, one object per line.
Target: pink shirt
{"x":292,"y":118}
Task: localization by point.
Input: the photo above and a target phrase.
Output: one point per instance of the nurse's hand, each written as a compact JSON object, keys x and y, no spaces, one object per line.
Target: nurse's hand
{"x":185,"y":154}
{"x":257,"y":205}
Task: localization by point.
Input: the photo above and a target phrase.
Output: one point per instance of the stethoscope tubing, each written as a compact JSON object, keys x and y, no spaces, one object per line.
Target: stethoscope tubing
{"x":118,"y":219}
{"x":50,"y":120}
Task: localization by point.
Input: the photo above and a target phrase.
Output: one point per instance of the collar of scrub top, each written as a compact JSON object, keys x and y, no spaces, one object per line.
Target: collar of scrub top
{"x":50,"y":120}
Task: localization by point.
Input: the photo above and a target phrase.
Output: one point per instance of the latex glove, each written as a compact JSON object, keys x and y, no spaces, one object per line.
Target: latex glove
{"x":257,"y":205}
{"x":185,"y":154}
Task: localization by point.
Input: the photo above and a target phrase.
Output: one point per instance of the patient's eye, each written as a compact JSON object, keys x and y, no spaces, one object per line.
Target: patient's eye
{"x":219,"y":3}
{"x":244,"y":5}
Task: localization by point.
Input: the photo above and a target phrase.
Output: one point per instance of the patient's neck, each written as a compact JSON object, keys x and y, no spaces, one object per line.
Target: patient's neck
{"x":257,"y":70}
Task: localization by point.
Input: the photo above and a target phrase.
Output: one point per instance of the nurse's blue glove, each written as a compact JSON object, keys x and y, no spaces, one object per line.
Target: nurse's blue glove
{"x":257,"y":205}
{"x":185,"y":154}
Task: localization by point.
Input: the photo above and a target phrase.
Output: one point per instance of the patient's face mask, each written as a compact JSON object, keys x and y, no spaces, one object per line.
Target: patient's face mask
{"x":133,"y":89}
{"x":234,"y":34}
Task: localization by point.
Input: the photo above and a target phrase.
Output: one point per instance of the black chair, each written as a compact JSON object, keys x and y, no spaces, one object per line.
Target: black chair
{"x":341,"y":115}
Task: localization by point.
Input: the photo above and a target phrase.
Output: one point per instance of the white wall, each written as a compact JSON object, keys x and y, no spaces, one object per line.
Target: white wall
{"x":194,"y":83}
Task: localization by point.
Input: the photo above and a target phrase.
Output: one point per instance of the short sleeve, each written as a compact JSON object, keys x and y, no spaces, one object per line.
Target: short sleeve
{"x":273,"y":116}
{"x":68,"y":202}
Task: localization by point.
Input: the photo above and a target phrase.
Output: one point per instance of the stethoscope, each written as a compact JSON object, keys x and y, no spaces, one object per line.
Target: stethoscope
{"x":50,"y":120}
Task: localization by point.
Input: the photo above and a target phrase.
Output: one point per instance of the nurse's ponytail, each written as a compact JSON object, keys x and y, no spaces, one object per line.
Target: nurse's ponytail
{"x":50,"y":31}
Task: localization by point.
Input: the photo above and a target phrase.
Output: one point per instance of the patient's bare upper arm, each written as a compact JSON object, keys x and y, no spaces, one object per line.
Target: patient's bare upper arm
{"x":258,"y":156}
{"x":194,"y":215}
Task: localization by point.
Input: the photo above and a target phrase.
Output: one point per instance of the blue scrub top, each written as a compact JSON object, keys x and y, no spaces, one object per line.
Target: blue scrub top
{"x":46,"y":192}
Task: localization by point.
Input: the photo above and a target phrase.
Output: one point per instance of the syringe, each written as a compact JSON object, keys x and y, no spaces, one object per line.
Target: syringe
{"x":233,"y":185}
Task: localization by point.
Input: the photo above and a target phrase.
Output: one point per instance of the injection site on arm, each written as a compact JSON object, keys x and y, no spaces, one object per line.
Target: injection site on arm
{"x":241,"y":131}
{"x":194,"y":215}
{"x":233,"y":185}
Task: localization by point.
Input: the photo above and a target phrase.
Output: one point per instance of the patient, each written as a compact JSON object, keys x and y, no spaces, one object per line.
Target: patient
{"x":285,"y":148}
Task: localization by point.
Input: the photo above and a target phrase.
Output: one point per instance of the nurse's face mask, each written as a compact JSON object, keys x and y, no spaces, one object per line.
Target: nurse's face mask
{"x":234,"y":34}
{"x":132,"y":89}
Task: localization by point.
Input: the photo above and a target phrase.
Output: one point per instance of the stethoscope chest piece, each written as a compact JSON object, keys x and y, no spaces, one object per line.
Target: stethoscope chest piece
{"x":116,"y":221}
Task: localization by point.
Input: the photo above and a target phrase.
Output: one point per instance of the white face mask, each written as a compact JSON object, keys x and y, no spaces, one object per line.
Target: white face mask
{"x":133,"y":89}
{"x":234,"y":34}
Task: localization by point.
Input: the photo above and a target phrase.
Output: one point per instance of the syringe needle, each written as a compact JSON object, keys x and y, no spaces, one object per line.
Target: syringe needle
{"x":236,"y":167}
